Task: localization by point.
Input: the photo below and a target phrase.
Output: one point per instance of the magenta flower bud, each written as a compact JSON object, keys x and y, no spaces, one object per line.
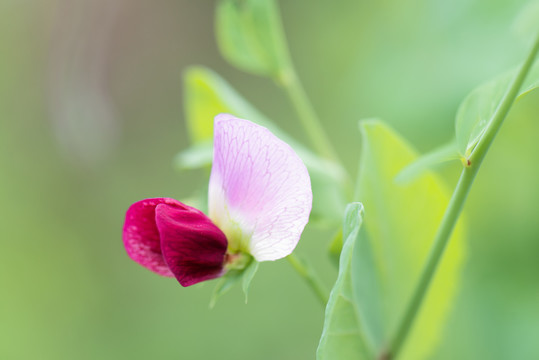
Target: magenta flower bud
{"x":173,"y":239}
{"x":260,"y":199}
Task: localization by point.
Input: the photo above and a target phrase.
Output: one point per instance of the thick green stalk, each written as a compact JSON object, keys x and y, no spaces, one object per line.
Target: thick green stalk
{"x":308,"y":274}
{"x":454,"y":209}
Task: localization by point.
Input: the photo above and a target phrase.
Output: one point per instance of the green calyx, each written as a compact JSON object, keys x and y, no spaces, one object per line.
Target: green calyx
{"x":237,"y":260}
{"x":241,"y":268}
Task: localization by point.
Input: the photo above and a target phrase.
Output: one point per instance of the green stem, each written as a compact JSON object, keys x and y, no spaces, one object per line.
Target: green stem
{"x":308,"y":274}
{"x":454,"y":209}
{"x":287,"y":77}
{"x":310,"y":121}
{"x":495,"y":124}
{"x":440,"y":243}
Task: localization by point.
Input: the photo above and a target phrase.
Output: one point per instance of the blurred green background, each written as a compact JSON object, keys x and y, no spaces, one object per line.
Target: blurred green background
{"x":92,"y":116}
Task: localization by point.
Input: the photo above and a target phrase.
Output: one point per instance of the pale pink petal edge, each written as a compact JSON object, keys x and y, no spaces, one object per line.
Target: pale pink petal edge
{"x":260,"y":184}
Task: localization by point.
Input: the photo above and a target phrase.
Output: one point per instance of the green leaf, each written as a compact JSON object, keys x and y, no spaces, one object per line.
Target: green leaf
{"x":248,"y":276}
{"x":400,"y":225}
{"x":335,"y":248}
{"x":442,"y":154}
{"x":224,"y":284}
{"x":343,"y":336}
{"x":476,"y":111}
{"x":250,"y":36}
{"x":526,"y":23}
{"x":207,"y":94}
{"x":232,"y":277}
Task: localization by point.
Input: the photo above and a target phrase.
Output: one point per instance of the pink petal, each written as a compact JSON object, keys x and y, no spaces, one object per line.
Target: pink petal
{"x":193,"y":247}
{"x":141,"y":236}
{"x":260,"y":190}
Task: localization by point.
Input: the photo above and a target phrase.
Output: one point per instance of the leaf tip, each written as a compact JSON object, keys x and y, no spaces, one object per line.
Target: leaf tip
{"x":369,"y":123}
{"x":353,"y":215}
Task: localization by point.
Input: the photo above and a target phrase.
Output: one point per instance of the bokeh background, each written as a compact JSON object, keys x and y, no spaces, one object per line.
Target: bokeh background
{"x":91,"y":117}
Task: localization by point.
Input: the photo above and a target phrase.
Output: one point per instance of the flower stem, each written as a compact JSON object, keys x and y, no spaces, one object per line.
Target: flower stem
{"x":454,"y":209}
{"x":311,"y":123}
{"x":287,"y":77}
{"x":307,"y":116}
{"x":310,"y":277}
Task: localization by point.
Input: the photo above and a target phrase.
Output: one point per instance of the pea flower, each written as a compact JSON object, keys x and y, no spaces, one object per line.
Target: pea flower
{"x":259,"y":197}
